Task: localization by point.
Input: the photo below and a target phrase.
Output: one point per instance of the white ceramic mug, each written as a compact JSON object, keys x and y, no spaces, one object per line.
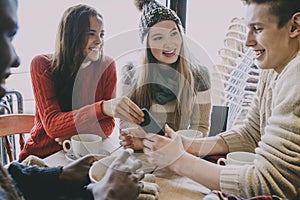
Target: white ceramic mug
{"x":83,"y":144}
{"x":237,"y":158}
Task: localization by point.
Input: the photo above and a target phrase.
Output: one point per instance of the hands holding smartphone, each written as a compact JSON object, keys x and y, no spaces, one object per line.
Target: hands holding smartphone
{"x":133,"y":137}
{"x":150,"y":125}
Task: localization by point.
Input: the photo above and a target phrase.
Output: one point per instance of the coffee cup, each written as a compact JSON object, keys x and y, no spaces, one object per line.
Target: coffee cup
{"x":83,"y":144}
{"x":237,"y":158}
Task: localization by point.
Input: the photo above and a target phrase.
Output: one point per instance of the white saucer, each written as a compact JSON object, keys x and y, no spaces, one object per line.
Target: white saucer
{"x":71,"y":156}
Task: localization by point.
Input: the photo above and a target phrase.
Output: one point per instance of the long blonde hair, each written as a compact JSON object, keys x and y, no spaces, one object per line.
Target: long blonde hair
{"x":143,"y":96}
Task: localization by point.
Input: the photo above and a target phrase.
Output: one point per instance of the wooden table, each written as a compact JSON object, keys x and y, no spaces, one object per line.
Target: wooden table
{"x":172,"y":186}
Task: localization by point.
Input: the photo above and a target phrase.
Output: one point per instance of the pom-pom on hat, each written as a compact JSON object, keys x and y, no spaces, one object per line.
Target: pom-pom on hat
{"x":152,"y":13}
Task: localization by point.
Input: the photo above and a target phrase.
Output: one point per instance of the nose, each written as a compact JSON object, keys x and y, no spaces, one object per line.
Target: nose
{"x":250,"y":39}
{"x":98,"y":40}
{"x":167,"y":42}
{"x":16,"y":62}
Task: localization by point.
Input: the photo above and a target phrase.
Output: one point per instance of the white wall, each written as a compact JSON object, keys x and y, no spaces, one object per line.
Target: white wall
{"x":207,"y":23}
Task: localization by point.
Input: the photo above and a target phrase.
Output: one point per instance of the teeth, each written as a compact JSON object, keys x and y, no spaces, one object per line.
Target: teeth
{"x":169,"y":52}
{"x":259,"y":52}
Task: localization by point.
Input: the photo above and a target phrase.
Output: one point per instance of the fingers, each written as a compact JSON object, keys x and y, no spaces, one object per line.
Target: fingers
{"x":140,"y":187}
{"x":122,"y":157}
{"x":90,"y":158}
{"x":95,"y":157}
{"x":90,"y":186}
{"x":126,"y":140}
{"x":169,"y":132}
{"x":146,"y":150}
{"x":132,"y":138}
{"x":136,"y":112}
{"x":129,"y":111}
{"x":147,"y":145}
{"x":123,"y":108}
{"x":58,"y":141}
{"x":137,"y":164}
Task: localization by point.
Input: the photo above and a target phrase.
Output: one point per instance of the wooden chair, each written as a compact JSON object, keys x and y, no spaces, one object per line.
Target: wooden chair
{"x":13,"y":124}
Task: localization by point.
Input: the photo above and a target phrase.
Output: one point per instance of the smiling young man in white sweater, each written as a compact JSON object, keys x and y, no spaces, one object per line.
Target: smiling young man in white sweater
{"x":272,"y":128}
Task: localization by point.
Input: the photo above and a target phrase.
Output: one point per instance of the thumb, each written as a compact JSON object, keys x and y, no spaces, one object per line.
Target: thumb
{"x":169,"y":132}
{"x":90,"y":186}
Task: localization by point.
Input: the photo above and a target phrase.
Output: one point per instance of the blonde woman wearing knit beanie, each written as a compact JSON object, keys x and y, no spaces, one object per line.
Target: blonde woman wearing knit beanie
{"x":172,"y":86}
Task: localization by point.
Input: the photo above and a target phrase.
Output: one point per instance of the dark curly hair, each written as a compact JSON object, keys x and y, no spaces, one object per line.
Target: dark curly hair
{"x":7,"y":185}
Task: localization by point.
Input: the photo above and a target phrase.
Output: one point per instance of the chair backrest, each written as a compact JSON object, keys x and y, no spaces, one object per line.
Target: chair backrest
{"x":13,"y":124}
{"x":218,"y":120}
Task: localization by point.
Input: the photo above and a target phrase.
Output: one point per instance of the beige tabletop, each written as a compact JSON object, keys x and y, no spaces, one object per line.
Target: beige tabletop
{"x":172,"y":186}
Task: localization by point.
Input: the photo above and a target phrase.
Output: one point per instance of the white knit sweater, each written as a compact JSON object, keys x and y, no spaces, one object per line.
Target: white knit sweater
{"x":272,"y":130}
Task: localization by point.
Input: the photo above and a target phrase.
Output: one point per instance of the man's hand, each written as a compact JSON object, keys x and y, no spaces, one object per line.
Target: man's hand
{"x":77,"y":171}
{"x":121,"y":181}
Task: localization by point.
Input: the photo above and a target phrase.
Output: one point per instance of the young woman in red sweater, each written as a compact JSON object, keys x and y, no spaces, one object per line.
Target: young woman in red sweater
{"x":75,"y":88}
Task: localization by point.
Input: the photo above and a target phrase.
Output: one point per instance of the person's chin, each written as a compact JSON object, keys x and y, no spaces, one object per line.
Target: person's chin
{"x":2,"y":92}
{"x":93,"y":57}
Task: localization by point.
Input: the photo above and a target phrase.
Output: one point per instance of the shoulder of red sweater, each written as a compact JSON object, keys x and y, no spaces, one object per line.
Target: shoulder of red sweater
{"x":42,"y":58}
{"x":108,"y":60}
{"x":41,"y":62}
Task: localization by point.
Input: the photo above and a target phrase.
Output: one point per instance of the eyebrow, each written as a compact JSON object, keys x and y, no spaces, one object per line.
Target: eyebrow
{"x":92,"y":30}
{"x":173,"y":29}
{"x":254,"y":24}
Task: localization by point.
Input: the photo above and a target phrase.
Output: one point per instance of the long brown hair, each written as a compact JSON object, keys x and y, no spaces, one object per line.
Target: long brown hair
{"x":142,"y":93}
{"x":71,"y":39}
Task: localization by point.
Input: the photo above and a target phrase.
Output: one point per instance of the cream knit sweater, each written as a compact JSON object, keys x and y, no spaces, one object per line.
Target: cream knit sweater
{"x":272,"y":130}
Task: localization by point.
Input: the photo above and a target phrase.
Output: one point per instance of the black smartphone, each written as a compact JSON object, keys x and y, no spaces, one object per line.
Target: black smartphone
{"x":150,"y":125}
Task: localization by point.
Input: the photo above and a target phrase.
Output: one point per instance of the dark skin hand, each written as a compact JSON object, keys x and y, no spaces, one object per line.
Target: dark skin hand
{"x":121,"y":181}
{"x":77,"y":171}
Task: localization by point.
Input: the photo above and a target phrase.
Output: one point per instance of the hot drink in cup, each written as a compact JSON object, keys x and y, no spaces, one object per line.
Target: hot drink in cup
{"x":83,"y":144}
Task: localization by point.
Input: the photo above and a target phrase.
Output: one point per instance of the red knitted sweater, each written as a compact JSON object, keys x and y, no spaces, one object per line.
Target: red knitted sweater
{"x":96,"y":83}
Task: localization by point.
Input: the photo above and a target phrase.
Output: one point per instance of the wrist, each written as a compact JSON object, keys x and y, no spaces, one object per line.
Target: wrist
{"x":102,"y":107}
{"x":188,"y":146}
{"x":177,"y":165}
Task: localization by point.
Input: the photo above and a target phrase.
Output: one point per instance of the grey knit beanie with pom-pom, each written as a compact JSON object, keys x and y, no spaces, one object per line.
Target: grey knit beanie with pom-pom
{"x":152,"y":13}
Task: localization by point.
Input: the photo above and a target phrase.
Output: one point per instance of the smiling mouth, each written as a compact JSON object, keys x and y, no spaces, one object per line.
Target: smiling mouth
{"x":258,"y":53}
{"x":169,"y":53}
{"x":95,"y":49}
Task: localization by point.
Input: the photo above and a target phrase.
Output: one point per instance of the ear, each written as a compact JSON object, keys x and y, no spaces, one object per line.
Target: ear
{"x":295,"y":30}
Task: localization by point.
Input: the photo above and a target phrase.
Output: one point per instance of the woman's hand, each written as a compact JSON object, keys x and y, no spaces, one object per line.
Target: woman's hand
{"x":163,"y":151}
{"x":123,"y":108}
{"x":121,"y":180}
{"x":132,"y":138}
{"x":60,"y":140}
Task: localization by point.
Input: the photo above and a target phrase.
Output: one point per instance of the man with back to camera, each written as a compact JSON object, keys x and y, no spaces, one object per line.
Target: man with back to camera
{"x":31,"y":182}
